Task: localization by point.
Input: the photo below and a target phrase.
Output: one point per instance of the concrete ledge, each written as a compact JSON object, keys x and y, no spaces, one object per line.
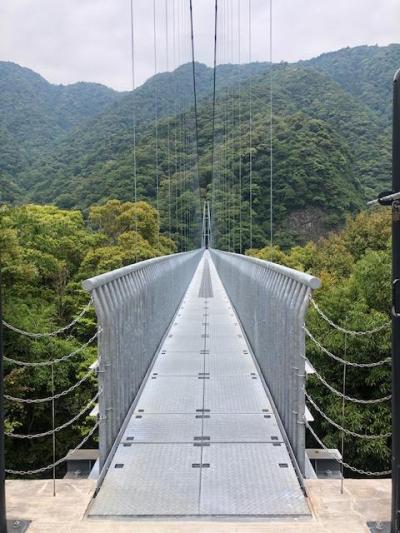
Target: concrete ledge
{"x":362,"y":501}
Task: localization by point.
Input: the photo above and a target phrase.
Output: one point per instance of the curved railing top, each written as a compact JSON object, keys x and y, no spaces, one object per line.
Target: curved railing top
{"x":102,"y":279}
{"x":300,"y":277}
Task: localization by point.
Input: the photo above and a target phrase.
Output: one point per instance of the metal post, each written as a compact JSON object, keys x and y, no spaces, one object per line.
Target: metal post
{"x":395,"y":524}
{"x":3,"y":521}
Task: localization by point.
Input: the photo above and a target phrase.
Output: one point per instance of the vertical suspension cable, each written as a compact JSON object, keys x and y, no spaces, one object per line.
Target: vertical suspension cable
{"x":168,"y":118}
{"x":53,"y":425}
{"x":230,"y":131}
{"x":174,"y":61}
{"x":194,"y":84}
{"x":213,"y":177}
{"x":156,"y":119}
{"x":195,"y":100}
{"x":239,"y":126}
{"x":250,"y":133}
{"x":343,"y":410}
{"x":134,"y":123}
{"x":271,"y":194}
{"x":225,"y":188}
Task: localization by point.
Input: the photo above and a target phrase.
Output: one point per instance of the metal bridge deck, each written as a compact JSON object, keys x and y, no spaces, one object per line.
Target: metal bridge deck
{"x":203,"y":439}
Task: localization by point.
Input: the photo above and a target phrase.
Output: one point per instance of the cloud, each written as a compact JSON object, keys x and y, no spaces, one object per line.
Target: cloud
{"x":89,"y":40}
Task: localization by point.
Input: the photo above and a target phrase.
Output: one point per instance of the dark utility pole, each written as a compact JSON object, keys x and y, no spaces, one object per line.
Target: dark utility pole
{"x":395,"y":524}
{"x":3,"y":521}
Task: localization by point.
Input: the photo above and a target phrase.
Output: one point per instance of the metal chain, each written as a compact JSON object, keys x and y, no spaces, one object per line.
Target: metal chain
{"x":54,"y":361}
{"x":344,"y":361}
{"x":56,"y":396}
{"x":56,"y":463}
{"x":53,"y":333}
{"x":346,"y":465}
{"x":340,"y":428}
{"x":349,"y":398}
{"x":343,"y":330}
{"x":59,"y":428}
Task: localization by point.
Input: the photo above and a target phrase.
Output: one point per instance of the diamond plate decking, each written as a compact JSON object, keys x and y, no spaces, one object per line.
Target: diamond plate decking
{"x":203,"y":439}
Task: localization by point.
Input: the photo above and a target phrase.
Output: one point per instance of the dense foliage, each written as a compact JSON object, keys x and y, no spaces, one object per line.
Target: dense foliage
{"x":45,"y":253}
{"x":354,"y":266}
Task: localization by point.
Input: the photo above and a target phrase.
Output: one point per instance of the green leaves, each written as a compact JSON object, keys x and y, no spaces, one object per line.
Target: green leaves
{"x":45,"y":253}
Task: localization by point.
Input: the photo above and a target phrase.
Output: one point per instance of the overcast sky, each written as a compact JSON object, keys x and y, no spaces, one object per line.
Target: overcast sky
{"x":89,"y":40}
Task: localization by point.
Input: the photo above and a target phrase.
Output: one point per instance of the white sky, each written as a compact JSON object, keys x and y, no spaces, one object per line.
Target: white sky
{"x":89,"y":40}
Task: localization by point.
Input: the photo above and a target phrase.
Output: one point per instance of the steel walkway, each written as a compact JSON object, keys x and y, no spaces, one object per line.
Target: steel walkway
{"x":203,"y":438}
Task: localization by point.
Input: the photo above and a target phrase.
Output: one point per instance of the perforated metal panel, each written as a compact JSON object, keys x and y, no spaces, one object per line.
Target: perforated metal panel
{"x":179,"y":363}
{"x":171,"y":395}
{"x":235,"y":394}
{"x":162,"y":428}
{"x":246,"y":479}
{"x":242,"y":428}
{"x":155,"y":479}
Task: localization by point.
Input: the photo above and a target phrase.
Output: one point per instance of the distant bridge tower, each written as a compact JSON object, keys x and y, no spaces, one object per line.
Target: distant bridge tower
{"x":206,"y":231}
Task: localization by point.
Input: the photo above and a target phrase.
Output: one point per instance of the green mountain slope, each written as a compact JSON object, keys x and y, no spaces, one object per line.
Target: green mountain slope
{"x":364,"y":71}
{"x":331,"y":144}
{"x":34,"y":113}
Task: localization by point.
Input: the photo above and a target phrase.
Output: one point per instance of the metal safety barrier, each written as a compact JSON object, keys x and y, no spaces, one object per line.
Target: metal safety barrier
{"x":134,"y":307}
{"x":271,"y":301}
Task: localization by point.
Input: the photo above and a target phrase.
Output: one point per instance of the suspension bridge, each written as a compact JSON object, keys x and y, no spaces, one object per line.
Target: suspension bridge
{"x":202,"y":409}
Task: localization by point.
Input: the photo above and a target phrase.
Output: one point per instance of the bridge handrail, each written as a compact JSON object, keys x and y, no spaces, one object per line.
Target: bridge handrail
{"x":134,"y":307}
{"x":271,"y":301}
{"x":296,"y":275}
{"x":103,"y":279}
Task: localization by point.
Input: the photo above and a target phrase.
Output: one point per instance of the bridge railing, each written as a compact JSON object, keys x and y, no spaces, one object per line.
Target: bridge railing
{"x":134,"y":307}
{"x":271,"y":301}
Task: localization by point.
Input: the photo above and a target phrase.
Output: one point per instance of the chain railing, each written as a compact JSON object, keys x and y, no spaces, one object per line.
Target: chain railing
{"x":51,"y":333}
{"x":134,"y":307}
{"x":55,"y":463}
{"x":387,"y":360}
{"x":341,"y":428}
{"x":58,"y":428}
{"x":271,"y":301}
{"x":345,"y":396}
{"x":350,"y":332}
{"x":381,"y":473}
{"x":50,"y":362}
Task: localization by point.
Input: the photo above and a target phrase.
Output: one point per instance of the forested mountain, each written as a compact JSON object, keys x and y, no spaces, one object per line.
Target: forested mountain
{"x":364,"y":71}
{"x":34,"y":113}
{"x":331,"y":137}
